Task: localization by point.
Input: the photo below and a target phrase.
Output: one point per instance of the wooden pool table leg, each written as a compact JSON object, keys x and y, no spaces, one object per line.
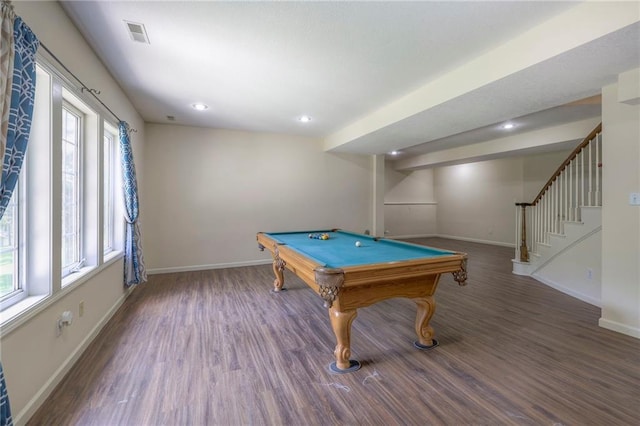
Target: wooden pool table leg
{"x":426,"y":309}
{"x":278,"y":270}
{"x":341,"y":324}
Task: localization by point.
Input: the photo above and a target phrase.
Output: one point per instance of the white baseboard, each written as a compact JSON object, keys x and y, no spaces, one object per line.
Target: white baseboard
{"x":404,"y":237}
{"x":451,"y":237}
{"x":205,"y":267}
{"x":475,"y":240}
{"x":38,"y":399}
{"x":521,"y":268}
{"x":620,"y":328}
{"x":571,"y":292}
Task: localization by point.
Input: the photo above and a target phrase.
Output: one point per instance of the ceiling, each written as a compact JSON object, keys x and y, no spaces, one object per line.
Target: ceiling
{"x":259,"y":66}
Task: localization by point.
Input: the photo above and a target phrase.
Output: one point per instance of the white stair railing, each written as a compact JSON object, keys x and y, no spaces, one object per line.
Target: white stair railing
{"x":576,"y":183}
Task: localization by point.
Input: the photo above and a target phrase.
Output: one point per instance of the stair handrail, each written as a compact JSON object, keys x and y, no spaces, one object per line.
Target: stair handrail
{"x":522,"y":247}
{"x":565,"y":163}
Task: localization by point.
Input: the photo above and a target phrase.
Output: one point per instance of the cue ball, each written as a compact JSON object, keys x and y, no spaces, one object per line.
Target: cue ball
{"x":358,"y":243}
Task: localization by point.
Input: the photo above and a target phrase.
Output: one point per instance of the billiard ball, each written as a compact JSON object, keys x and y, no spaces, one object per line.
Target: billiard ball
{"x":358,"y":243}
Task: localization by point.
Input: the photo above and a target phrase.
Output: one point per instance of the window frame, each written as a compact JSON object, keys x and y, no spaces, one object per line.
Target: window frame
{"x":77,"y":260}
{"x":40,"y":189}
{"x":17,"y":204}
{"x":110,"y":136}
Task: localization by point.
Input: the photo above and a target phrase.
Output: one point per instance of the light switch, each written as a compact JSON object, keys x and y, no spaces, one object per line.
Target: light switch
{"x":634,"y":199}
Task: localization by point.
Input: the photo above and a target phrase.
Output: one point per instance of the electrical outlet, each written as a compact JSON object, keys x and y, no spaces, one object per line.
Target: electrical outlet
{"x":589,"y":273}
{"x":66,"y":319}
{"x":81,"y":309}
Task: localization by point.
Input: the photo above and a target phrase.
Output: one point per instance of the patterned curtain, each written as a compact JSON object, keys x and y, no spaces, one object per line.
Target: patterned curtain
{"x":6,"y":70}
{"x":23,"y":85}
{"x":18,"y":47}
{"x":134,"y":271}
{"x":5,"y":409}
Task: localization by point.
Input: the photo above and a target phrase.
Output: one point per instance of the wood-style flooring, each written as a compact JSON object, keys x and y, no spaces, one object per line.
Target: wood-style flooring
{"x":218,"y":348}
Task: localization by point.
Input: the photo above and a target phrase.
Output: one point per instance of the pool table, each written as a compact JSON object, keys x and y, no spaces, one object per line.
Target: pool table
{"x":350,"y":271}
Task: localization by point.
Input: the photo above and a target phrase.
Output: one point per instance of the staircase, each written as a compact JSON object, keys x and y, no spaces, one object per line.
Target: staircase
{"x":566,"y":212}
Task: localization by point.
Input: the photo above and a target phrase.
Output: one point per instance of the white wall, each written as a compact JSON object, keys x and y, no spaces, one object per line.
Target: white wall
{"x":569,"y":271}
{"x":476,"y":201}
{"x":410,"y":207}
{"x":537,"y":169}
{"x":620,"y":221}
{"x":408,"y":186}
{"x":33,"y":358}
{"x":214,"y":189}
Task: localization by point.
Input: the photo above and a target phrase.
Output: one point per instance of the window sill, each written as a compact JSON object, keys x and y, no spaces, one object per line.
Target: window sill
{"x":110,"y":257}
{"x":78,"y":277}
{"x":75,"y":279}
{"x":16,"y":315}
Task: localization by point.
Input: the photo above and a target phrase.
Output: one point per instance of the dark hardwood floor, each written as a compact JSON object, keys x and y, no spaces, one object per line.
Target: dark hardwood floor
{"x":218,"y":348}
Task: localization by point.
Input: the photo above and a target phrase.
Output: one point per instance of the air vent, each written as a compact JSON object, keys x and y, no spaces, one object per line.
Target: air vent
{"x":137,"y":32}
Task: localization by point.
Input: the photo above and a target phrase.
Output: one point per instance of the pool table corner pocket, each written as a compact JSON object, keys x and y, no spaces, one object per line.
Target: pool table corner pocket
{"x":460,"y":276}
{"x":330,"y":282}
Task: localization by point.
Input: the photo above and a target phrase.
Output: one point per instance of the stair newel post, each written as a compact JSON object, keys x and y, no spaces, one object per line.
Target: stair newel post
{"x":524,"y":251}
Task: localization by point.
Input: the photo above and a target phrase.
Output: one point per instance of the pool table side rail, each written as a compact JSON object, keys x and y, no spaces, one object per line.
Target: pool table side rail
{"x":435,"y":250}
{"x":304,"y":266}
{"x":274,"y":235}
{"x":421,"y":246}
{"x":401,"y":270}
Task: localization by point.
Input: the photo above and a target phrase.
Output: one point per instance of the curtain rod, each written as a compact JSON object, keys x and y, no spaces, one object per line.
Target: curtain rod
{"x":92,"y":92}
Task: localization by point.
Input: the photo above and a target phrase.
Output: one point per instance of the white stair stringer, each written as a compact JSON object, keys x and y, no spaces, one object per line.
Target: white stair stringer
{"x":574,"y":233}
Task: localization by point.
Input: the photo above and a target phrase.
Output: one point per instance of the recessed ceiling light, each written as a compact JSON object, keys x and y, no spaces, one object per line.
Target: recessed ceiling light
{"x":508,"y":126}
{"x":304,"y":119}
{"x":394,"y":152}
{"x":200,"y":106}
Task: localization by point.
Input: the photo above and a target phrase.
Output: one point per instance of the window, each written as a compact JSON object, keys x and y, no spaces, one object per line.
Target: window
{"x":10,"y":259}
{"x":108,"y":181}
{"x":64,"y":223}
{"x":71,"y":189}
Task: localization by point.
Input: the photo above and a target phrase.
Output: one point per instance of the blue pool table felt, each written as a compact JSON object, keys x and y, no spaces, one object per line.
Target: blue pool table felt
{"x":340,"y":249}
